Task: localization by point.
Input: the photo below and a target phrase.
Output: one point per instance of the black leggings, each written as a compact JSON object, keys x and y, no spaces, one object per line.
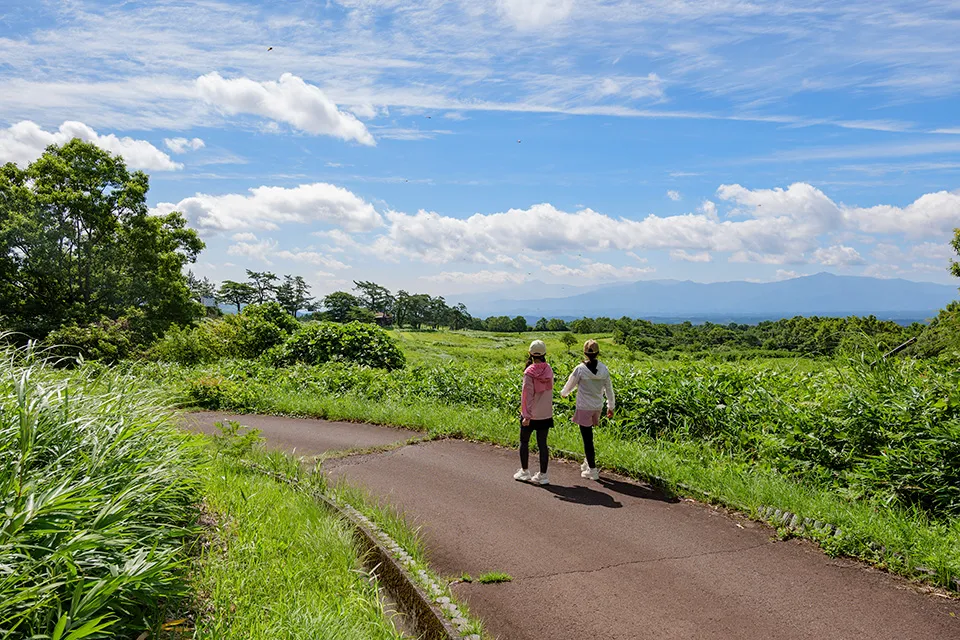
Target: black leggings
{"x":587,"y":434}
{"x":541,"y":445}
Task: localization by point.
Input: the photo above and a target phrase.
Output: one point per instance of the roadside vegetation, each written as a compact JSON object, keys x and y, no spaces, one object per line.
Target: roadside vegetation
{"x":99,"y":496}
{"x":275,"y":564}
{"x":868,"y":444}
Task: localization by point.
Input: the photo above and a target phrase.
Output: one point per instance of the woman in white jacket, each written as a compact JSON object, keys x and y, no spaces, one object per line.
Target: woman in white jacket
{"x":593,"y":380}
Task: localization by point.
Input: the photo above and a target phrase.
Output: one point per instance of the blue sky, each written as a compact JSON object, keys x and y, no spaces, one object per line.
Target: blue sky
{"x":455,"y":147}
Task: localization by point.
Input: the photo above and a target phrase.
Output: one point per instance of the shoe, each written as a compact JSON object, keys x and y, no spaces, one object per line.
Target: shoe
{"x":522,"y":475}
{"x":584,"y":466}
{"x":540,"y":478}
{"x":590,"y":474}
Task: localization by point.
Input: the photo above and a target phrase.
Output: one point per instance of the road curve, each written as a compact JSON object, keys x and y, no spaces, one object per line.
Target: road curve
{"x":613,"y":559}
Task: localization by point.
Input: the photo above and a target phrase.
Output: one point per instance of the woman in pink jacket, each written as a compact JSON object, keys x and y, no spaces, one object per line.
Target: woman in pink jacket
{"x":536,"y":412}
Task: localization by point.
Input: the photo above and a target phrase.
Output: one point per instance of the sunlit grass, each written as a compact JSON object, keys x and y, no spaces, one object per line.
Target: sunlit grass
{"x":278,"y":565}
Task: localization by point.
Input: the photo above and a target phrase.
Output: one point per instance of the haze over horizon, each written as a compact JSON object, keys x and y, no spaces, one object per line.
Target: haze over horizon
{"x":462,"y":147}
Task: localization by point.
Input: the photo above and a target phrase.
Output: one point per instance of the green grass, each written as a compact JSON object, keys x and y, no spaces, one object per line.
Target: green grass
{"x":871,"y":448}
{"x":494,"y":577}
{"x":933,"y":544}
{"x":278,"y":565}
{"x":98,"y":492}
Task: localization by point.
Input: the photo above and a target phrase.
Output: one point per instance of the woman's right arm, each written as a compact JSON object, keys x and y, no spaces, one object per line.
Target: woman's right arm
{"x":571,"y":383}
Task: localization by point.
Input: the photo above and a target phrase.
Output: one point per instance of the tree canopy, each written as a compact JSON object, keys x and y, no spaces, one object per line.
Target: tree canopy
{"x":78,"y":244}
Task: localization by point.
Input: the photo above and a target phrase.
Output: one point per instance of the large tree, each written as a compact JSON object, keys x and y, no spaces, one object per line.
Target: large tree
{"x":236,"y":293}
{"x":77,"y":243}
{"x":263,"y":283}
{"x":294,"y":295}
{"x":339,"y":306}
{"x":375,"y":297}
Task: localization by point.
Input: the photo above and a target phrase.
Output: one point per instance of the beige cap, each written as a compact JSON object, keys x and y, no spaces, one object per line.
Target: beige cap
{"x":538,"y":348}
{"x":590,"y":347}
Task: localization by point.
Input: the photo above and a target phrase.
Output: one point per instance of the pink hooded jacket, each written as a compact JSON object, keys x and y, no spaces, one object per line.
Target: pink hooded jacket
{"x":536,"y":397}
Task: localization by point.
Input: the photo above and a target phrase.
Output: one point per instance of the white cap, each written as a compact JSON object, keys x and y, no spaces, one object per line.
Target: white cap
{"x":538,"y":348}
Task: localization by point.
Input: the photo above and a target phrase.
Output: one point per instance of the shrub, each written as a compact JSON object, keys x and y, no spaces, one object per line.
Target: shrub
{"x":357,"y":342}
{"x":257,"y":329}
{"x":260,"y":327}
{"x":107,"y":340}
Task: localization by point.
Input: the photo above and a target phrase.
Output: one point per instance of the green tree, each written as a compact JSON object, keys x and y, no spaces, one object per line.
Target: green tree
{"x":77,"y":244}
{"x":339,"y":305}
{"x":541,"y":325}
{"x":237,"y":293}
{"x":375,"y":297}
{"x":200,"y":289}
{"x":294,"y":295}
{"x":460,"y":318}
{"x":568,"y":340}
{"x":519,"y":324}
{"x":556,"y":324}
{"x":263,"y":284}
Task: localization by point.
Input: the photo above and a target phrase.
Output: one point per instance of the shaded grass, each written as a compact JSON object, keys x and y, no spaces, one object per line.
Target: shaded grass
{"x":494,"y":577}
{"x":280,"y":566}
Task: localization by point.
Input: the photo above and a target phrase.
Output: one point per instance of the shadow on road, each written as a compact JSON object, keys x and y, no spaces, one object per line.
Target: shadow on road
{"x":583,"y":495}
{"x":636,"y":490}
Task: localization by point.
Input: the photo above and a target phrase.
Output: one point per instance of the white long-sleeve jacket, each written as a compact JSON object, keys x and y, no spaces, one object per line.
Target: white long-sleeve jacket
{"x":592,"y":387}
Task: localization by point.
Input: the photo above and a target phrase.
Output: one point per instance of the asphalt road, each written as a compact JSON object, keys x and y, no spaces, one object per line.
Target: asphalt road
{"x":612,"y":559}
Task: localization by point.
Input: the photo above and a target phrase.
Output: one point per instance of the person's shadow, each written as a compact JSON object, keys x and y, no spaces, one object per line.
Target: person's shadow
{"x":583,"y":495}
{"x":636,"y":490}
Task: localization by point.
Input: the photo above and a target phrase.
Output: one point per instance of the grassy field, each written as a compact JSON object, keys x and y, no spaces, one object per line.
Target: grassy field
{"x":872,"y":449}
{"x":117,"y":524}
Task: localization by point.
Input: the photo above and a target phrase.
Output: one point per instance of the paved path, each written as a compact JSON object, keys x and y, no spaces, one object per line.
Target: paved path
{"x":616,"y":559}
{"x":307,"y":437}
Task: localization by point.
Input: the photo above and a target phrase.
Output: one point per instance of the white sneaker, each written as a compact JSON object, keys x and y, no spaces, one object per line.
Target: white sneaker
{"x":522,"y":475}
{"x":590,"y":474}
{"x":540,"y":478}
{"x":584,"y":466}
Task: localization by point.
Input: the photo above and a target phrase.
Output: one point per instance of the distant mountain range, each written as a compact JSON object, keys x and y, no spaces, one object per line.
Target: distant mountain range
{"x":823,"y":294}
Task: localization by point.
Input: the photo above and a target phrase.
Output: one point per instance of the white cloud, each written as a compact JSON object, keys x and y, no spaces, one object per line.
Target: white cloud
{"x":533,"y":14}
{"x":261,"y":250}
{"x":930,"y":215}
{"x":291,"y":100}
{"x":312,"y":257}
{"x":25,"y":141}
{"x":674,"y":195}
{"x":680,"y":254}
{"x":484,"y":278}
{"x":597,"y":271}
{"x":244,"y":237}
{"x":838,"y":256}
{"x":783,"y":274}
{"x":268,"y":207}
{"x":180,"y":145}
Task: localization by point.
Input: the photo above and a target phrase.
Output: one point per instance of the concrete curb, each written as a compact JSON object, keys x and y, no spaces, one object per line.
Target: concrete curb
{"x":420,"y":598}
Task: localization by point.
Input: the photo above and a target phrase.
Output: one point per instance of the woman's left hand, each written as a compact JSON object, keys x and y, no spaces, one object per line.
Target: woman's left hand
{"x":609,"y":413}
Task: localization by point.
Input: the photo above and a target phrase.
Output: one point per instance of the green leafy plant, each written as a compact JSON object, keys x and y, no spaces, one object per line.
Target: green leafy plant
{"x":320,"y":342}
{"x":494,"y":577}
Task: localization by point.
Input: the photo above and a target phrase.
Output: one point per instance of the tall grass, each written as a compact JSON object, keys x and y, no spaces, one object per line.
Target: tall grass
{"x":97,"y":495}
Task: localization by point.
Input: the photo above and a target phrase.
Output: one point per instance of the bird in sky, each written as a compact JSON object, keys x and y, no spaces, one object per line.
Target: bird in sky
{"x":269,"y":48}
{"x":518,"y":142}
